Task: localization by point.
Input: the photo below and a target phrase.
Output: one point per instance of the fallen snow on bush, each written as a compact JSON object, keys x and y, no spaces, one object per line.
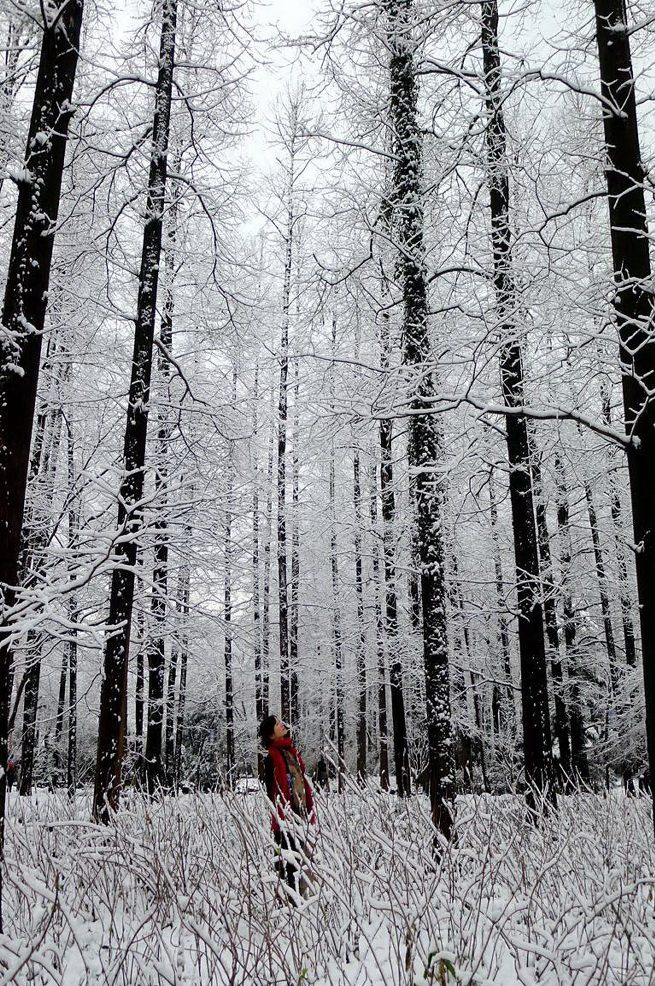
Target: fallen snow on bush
{"x":183,"y":891}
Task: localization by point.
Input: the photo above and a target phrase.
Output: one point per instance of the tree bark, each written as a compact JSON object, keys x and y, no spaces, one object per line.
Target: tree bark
{"x":24,"y":309}
{"x":181,"y":698}
{"x":503,"y":628}
{"x":73,"y":530}
{"x":113,"y":694}
{"x":294,"y":613}
{"x":425,"y":444}
{"x":634,"y":310}
{"x":388,"y":498}
{"x":156,"y":771}
{"x":266,"y":588}
{"x":283,"y":410}
{"x":534,"y":683}
{"x":256,"y":582}
{"x":383,"y":736}
{"x":361,"y":629}
{"x":605,"y":607}
{"x":227,"y":607}
{"x":579,"y":763}
{"x":562,"y":723}
{"x":337,"y":642}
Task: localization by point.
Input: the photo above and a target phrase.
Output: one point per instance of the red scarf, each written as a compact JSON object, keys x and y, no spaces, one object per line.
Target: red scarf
{"x":277,"y":786}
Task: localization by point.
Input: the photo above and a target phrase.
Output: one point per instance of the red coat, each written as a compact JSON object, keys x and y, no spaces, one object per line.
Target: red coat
{"x":277,"y":781}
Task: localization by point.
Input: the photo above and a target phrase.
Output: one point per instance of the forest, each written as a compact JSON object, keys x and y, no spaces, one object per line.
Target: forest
{"x":327,"y":393}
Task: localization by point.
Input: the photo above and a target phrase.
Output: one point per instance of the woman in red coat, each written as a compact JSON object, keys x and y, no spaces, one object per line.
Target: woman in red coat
{"x":290,"y":793}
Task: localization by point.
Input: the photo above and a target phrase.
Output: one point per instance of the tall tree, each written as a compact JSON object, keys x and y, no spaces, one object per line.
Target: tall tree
{"x":579,"y":764}
{"x":388,"y":500}
{"x":383,"y":737}
{"x":24,"y":309}
{"x":294,"y":604}
{"x":291,"y":137}
{"x":549,"y":597}
{"x":154,"y":755}
{"x":425,"y":441}
{"x":534,"y":683}
{"x":361,"y":629}
{"x":227,"y":602}
{"x":113,"y":693}
{"x":73,"y":529}
{"x":339,"y":697}
{"x":634,"y":312}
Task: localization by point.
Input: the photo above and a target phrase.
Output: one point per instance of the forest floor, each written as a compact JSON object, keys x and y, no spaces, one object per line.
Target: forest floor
{"x":183,"y":891}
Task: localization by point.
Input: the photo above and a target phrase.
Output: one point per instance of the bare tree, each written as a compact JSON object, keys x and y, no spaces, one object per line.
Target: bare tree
{"x":113,"y":695}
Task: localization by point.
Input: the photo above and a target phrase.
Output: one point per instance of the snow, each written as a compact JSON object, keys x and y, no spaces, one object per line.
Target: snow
{"x":183,"y":891}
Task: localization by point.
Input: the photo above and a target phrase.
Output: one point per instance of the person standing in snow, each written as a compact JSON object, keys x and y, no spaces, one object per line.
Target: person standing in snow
{"x":290,"y":792}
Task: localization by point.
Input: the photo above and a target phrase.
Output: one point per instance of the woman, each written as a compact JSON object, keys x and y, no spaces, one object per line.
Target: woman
{"x":290,"y":793}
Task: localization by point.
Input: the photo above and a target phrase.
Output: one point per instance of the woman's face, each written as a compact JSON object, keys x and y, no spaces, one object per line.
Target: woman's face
{"x":280,"y":729}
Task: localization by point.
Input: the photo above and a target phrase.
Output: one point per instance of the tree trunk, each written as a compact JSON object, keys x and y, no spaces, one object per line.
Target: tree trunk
{"x":383,"y":736}
{"x":562,"y":724}
{"x":501,"y":602}
{"x":361,"y":630}
{"x":424,"y":444}
{"x":295,"y":559}
{"x":633,"y":304}
{"x":181,"y":699}
{"x":169,"y":736}
{"x":266,"y":588}
{"x":30,"y":706}
{"x":154,"y":760}
{"x":23,"y":315}
{"x":534,"y":683}
{"x":283,"y":589}
{"x":113,"y":695}
{"x":58,"y":753}
{"x":227,"y":606}
{"x":579,"y":762}
{"x":388,"y":497}
{"x":256,"y":586}
{"x":73,"y":529}
{"x":605,"y":607}
{"x":337,"y":642}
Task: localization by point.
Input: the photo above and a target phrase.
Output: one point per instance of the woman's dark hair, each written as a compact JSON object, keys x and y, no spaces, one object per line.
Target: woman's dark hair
{"x":266,"y":727}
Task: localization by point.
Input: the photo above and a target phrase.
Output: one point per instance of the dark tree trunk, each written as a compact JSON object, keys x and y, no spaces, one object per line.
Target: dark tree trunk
{"x":562,"y":724}
{"x":113,"y":694}
{"x":256,"y":584}
{"x":266,"y":588}
{"x":169,"y":736}
{"x":388,"y":497}
{"x":605,"y":607}
{"x":181,"y":699}
{"x":337,"y":642}
{"x":383,"y":737}
{"x":458,"y":603}
{"x":534,"y":682}
{"x":23,"y":315}
{"x":633,"y":304}
{"x":295,"y":557}
{"x":73,"y":528}
{"x":30,"y":706}
{"x":425,"y":443}
{"x":361,"y":630}
{"x":579,"y":762}
{"x":283,"y":410}
{"x":501,"y":602}
{"x":227,"y":607}
{"x":154,"y":758}
{"x":139,"y":691}
{"x":58,"y":753}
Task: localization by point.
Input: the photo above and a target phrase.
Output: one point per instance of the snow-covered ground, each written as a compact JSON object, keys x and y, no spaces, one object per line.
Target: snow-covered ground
{"x":183,"y":892}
